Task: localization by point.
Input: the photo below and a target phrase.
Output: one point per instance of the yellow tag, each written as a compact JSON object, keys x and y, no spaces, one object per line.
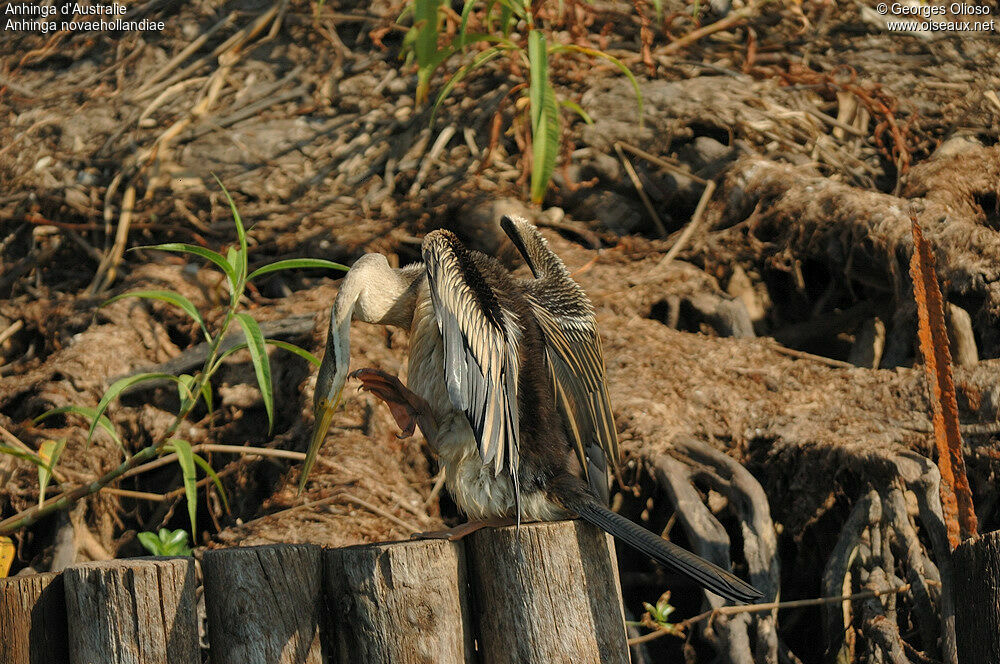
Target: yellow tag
{"x":7,"y":551}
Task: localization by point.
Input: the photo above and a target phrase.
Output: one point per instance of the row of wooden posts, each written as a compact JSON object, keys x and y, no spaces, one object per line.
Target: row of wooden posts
{"x":550,"y":594}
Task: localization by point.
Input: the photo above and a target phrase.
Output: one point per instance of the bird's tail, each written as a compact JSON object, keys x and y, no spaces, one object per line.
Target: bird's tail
{"x":712,"y":577}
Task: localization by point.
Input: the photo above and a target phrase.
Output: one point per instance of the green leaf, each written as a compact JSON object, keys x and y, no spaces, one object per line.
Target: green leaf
{"x":165,"y":543}
{"x":206,"y":394}
{"x":240,"y":262}
{"x":207,"y":467}
{"x":175,"y":543}
{"x":170,"y":297}
{"x":21,"y":454}
{"x":208,"y":254}
{"x":296,"y":263}
{"x":117,"y":388}
{"x":594,"y":53}
{"x":481,"y":59}
{"x":576,"y":108}
{"x":49,"y":453}
{"x":292,"y":348}
{"x":186,"y":460}
{"x":466,"y":10}
{"x":88,"y":413}
{"x":425,"y":29}
{"x":184,"y":384}
{"x":151,"y":543}
{"x":284,"y":345}
{"x":261,"y":364}
{"x":545,"y":131}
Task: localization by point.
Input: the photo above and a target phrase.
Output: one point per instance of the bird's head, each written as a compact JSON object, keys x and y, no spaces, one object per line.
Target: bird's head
{"x":336,"y":361}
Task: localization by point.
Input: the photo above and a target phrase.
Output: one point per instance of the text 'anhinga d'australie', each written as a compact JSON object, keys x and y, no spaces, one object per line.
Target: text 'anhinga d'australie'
{"x":506,"y":381}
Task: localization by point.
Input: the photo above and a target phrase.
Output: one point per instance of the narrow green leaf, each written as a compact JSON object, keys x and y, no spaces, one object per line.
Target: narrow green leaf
{"x":49,"y":453}
{"x":538,"y":63}
{"x":576,"y":108}
{"x":206,"y":394}
{"x":284,"y":345}
{"x":229,"y":351}
{"x":594,"y":53}
{"x":296,"y":263}
{"x":207,"y":467}
{"x":425,"y":25}
{"x":466,"y":11}
{"x":88,"y":413}
{"x":481,"y":59}
{"x":261,"y":364}
{"x":216,"y":258}
{"x":516,"y":8}
{"x":186,"y":460}
{"x":292,"y":348}
{"x":241,"y":265}
{"x":545,"y":130}
{"x":21,"y":454}
{"x":169,"y":297}
{"x":117,"y":388}
{"x":184,"y":384}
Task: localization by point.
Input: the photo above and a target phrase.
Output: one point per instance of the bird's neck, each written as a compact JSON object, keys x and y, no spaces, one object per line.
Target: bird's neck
{"x":381,"y":296}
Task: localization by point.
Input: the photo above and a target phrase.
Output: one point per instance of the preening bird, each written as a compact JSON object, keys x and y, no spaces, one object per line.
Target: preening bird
{"x":506,"y":381}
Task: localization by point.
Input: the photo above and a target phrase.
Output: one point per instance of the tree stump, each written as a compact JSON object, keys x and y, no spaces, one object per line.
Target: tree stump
{"x":547,"y":594}
{"x":33,"y":620}
{"x":135,"y":611}
{"x":400,"y":602}
{"x":976,"y":566}
{"x":263,"y":604}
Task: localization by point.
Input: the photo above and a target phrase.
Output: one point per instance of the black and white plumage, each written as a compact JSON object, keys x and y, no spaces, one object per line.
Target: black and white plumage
{"x":506,"y":380}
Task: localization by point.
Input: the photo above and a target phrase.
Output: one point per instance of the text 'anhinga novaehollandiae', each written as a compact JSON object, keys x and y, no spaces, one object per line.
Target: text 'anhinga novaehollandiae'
{"x":506,"y":381}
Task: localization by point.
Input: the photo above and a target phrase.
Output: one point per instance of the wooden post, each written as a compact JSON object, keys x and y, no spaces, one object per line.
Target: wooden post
{"x":399,"y":602}
{"x":134,"y":611}
{"x":547,"y":594}
{"x":33,"y":620}
{"x":976,"y":568}
{"x":263,"y":604}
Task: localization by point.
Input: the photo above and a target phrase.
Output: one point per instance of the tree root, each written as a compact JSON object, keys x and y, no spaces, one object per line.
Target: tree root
{"x":878,"y":540}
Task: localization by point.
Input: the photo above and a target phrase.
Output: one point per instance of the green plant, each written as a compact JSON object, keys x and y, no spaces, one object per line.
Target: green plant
{"x":166,"y":542}
{"x":426,"y":45}
{"x":657,"y":618}
{"x":192,"y":389}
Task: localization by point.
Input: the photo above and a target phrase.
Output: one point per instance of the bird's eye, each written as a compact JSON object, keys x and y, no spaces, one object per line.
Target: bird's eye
{"x":324,"y":402}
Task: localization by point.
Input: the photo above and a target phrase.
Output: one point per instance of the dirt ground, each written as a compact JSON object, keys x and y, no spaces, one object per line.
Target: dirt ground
{"x":779,"y":329}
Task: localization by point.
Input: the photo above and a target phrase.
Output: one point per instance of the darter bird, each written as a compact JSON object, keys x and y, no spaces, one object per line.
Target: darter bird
{"x":506,"y":382}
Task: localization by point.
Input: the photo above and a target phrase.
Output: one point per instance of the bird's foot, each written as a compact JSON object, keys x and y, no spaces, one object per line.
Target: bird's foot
{"x":408,"y":409}
{"x":463,"y":530}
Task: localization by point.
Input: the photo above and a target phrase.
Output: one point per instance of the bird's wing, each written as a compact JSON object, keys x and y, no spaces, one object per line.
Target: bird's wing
{"x":573,"y":347}
{"x":480,"y":348}
{"x":577,"y":366}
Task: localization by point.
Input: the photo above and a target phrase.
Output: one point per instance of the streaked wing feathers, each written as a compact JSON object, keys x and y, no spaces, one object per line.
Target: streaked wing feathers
{"x":577,"y":366}
{"x":480,"y":348}
{"x":574,"y":352}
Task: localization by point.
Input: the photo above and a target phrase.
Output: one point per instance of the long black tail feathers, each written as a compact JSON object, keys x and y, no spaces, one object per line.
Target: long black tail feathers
{"x":714,"y":578}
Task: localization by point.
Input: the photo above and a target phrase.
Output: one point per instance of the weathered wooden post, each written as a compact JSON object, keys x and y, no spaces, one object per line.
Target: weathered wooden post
{"x":976,"y":569}
{"x":134,"y":611}
{"x":33,"y":620}
{"x":263,"y":604}
{"x":399,"y":602}
{"x":547,"y":594}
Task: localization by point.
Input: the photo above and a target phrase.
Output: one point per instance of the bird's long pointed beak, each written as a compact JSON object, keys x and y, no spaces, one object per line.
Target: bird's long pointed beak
{"x":324,"y":416}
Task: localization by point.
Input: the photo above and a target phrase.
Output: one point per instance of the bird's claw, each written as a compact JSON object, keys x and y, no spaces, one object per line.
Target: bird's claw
{"x":407,"y":408}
